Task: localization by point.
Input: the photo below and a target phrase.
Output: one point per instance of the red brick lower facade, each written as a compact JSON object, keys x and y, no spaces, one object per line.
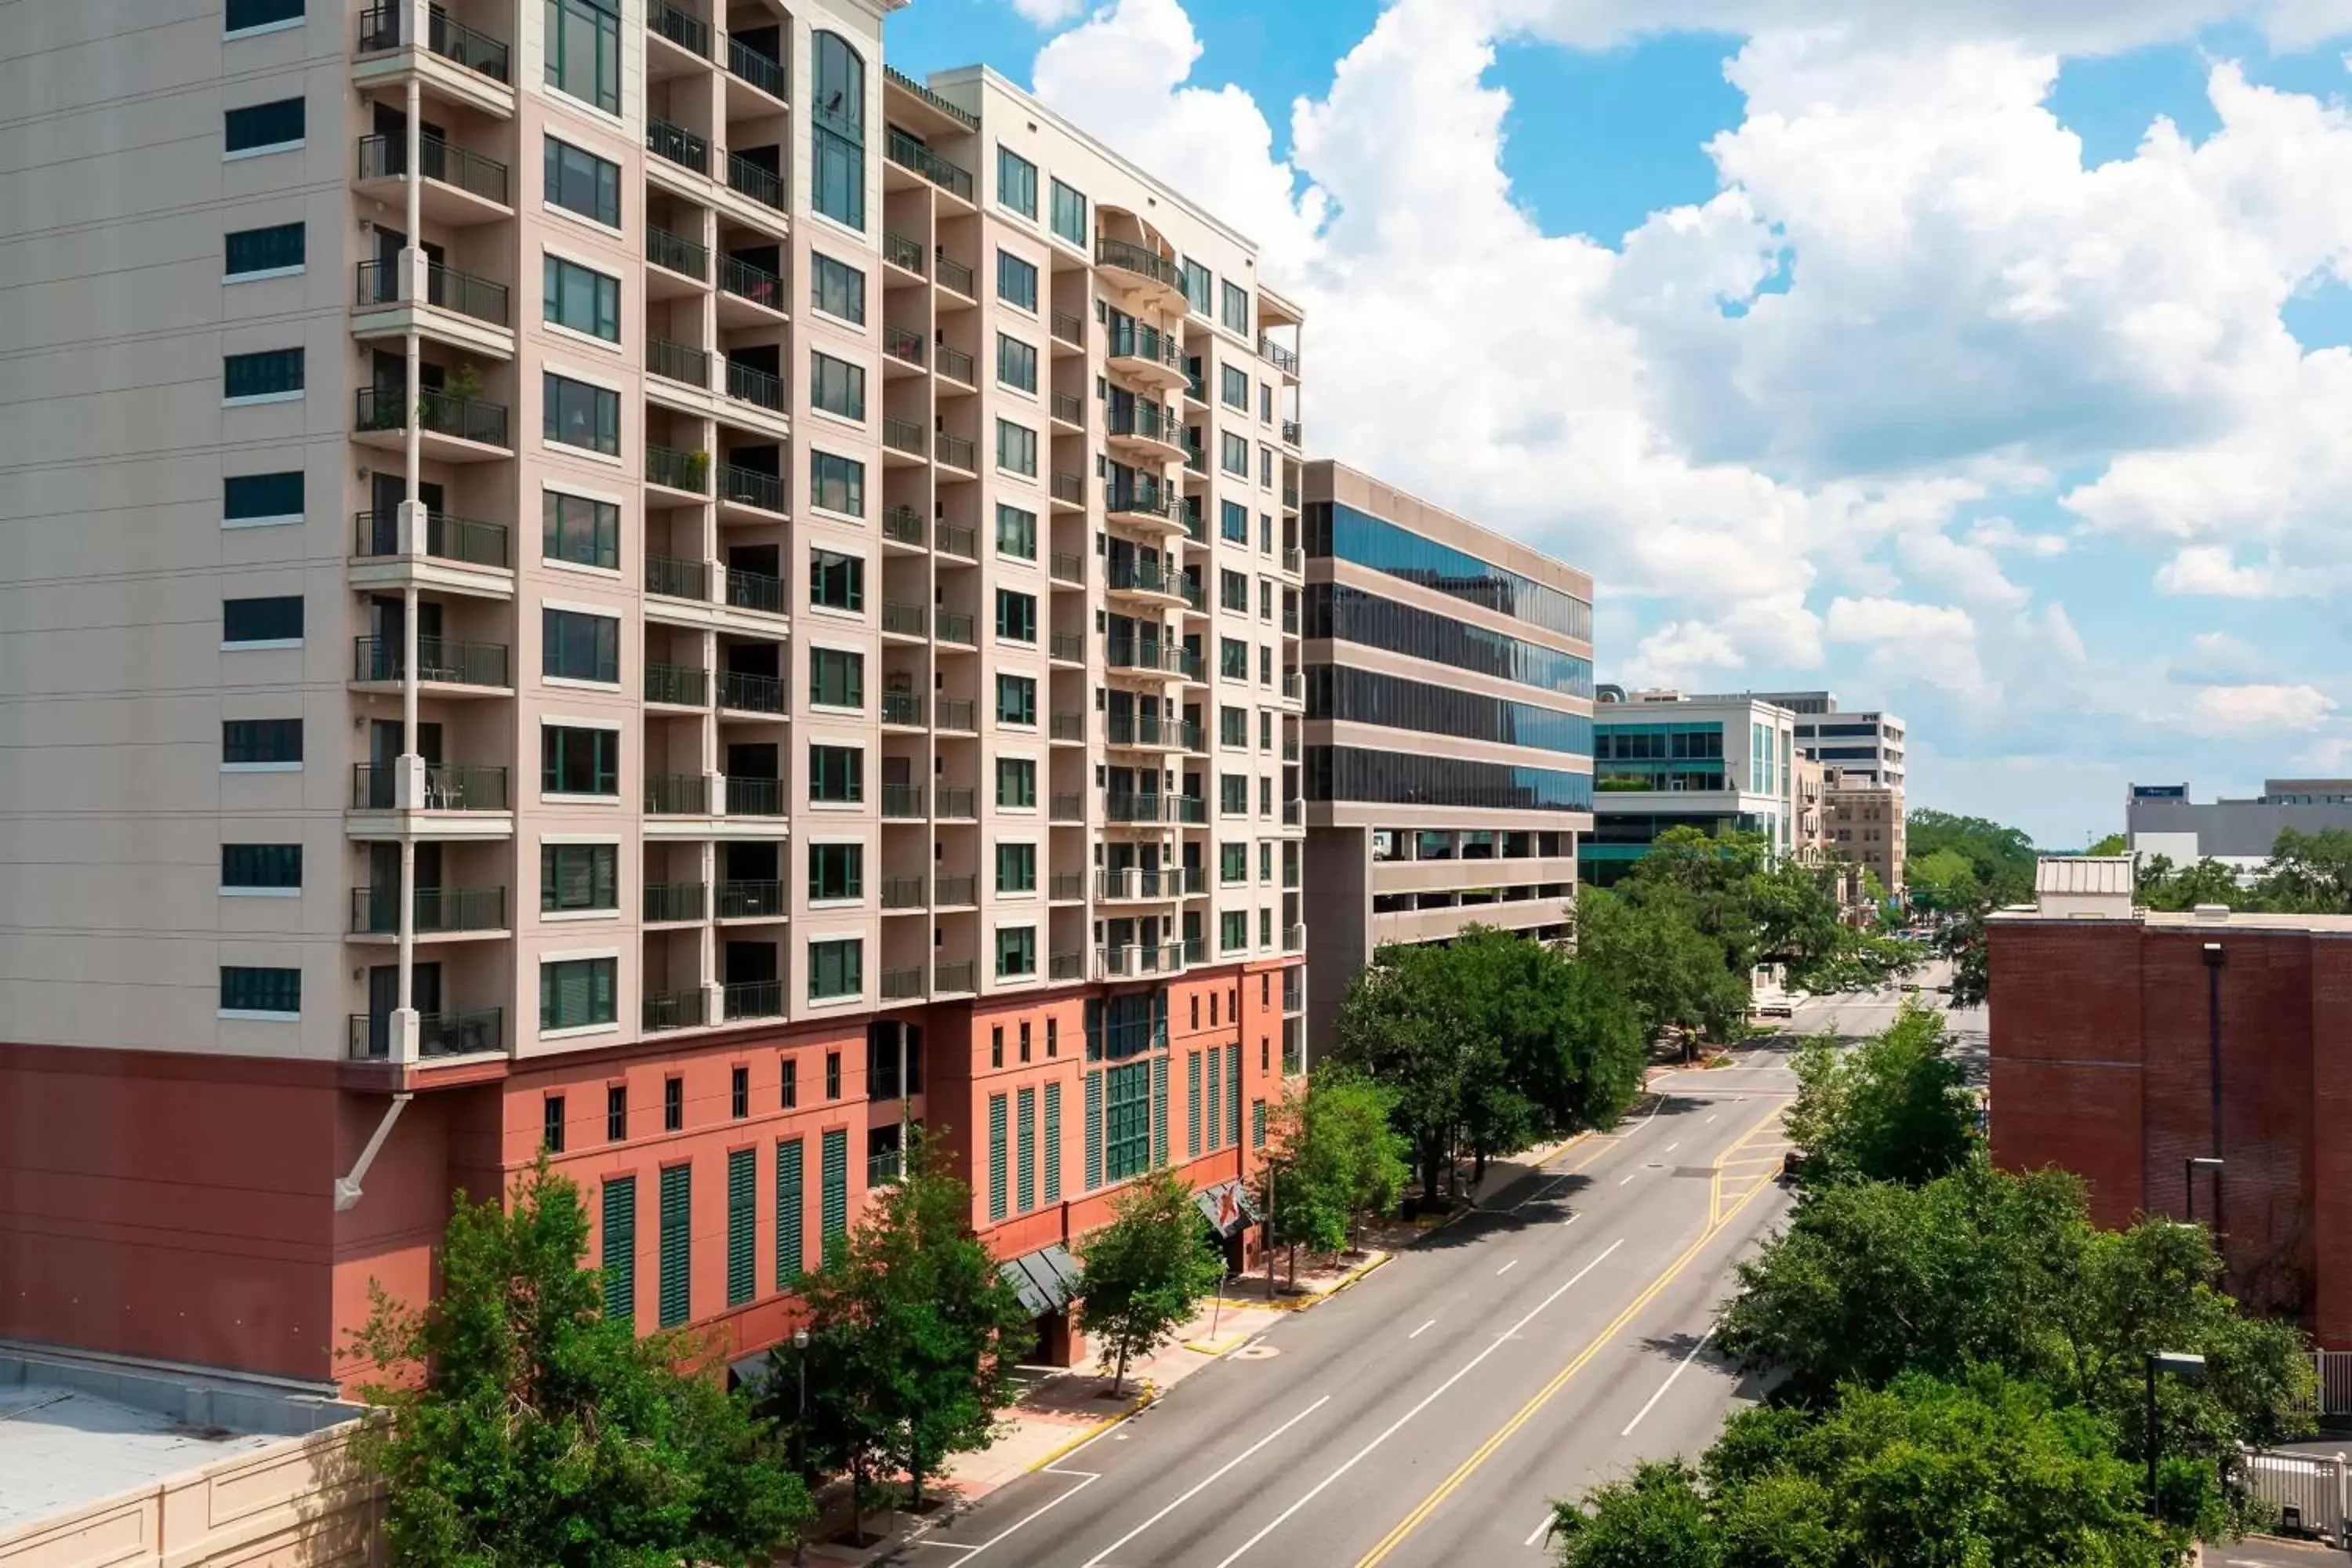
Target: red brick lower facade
{"x":181,"y":1208}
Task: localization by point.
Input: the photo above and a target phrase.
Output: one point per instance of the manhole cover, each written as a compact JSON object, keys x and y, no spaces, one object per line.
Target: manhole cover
{"x":1255,"y":1352}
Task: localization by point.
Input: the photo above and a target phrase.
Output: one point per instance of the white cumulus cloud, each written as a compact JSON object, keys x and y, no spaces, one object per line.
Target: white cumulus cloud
{"x":1048,"y":13}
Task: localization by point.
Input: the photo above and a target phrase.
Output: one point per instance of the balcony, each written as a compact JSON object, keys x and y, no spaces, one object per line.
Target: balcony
{"x":1147,"y":265}
{"x":1290,"y":622}
{"x":1294,"y":939}
{"x":1067,"y":566}
{"x":676,"y":361}
{"x":1070,"y":964}
{"x":436,"y":911}
{"x":677,"y":794}
{"x":448,"y":786}
{"x":678,"y":254}
{"x":1191,"y":810}
{"x":479,"y":1033}
{"x":1068,"y":410}
{"x":903,"y":525}
{"x":887,"y":1167}
{"x":742,"y":691}
{"x":1070,"y":726}
{"x":1148,"y":423}
{"x":1132,"y":807}
{"x":903,"y":253}
{"x":961,"y":714}
{"x":1145,"y":503}
{"x":744,"y":280}
{"x":1294,"y":813}
{"x":478,"y":427}
{"x":678,"y":145}
{"x":755,"y":590}
{"x":1067,"y":647}
{"x":750,"y":900}
{"x":1146,"y":730}
{"x":1069,"y":328}
{"x":1069,"y":486}
{"x":445,"y":289}
{"x":748,"y":796}
{"x":385,"y":27}
{"x":1066,"y":887}
{"x":955,"y":365}
{"x":956,"y":626}
{"x":748,"y":179}
{"x":461,"y":540}
{"x":672,"y":578}
{"x":1294,"y":686}
{"x":1135,"y":884}
{"x":1149,"y":958}
{"x":753,"y":999}
{"x":688,"y":33}
{"x":955,"y":452}
{"x":440,"y":661}
{"x":669,"y":902}
{"x":903,"y":620}
{"x":1196,"y":881}
{"x":1290,"y":433}
{"x":947,"y":977}
{"x":1144,"y":579}
{"x":1136,"y":348}
{"x":1066,"y":807}
{"x":1294,"y":991}
{"x":955,"y":892}
{"x":740,"y":485}
{"x":678,"y":685}
{"x":1290,"y":747}
{"x":663,"y":1011}
{"x":902,"y":436}
{"x":1158,"y":658}
{"x":954,"y":276}
{"x":1274,"y":353}
{"x":903,"y":893}
{"x":902,"y":802}
{"x":748,"y":64}
{"x":1290,"y":497}
{"x":958,"y":803}
{"x":909,"y":153}
{"x":678,"y":470}
{"x":904,"y":709}
{"x":460,"y":186}
{"x":903,"y":985}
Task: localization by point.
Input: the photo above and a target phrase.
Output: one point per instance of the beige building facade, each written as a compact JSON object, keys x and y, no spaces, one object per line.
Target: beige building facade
{"x":1862,"y":822}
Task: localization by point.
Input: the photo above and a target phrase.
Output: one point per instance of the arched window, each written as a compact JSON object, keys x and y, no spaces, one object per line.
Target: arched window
{"x":838,"y":131}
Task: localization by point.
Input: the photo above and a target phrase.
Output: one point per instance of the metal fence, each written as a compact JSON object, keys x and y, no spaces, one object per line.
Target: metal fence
{"x":2335,"y":1369}
{"x":2312,"y":1494}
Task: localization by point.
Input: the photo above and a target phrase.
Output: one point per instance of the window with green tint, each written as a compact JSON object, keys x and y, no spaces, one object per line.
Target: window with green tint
{"x":1016,"y":282}
{"x":1016,"y":615}
{"x":837,"y":774}
{"x":836,"y":871}
{"x":1233,"y":591}
{"x":250,"y":989}
{"x":1232,"y":727}
{"x":1016,"y":532}
{"x":1016,"y":183}
{"x":1016,"y":448}
{"x":1233,"y":863}
{"x":792,"y":1225}
{"x":837,"y":677}
{"x":1016,"y":867}
{"x":248,"y":497}
{"x":837,"y":968}
{"x":1196,"y":287}
{"x":1233,"y":453}
{"x":1016,"y":780}
{"x":579,"y":414}
{"x":1233,"y":385}
{"x":837,"y":385}
{"x":579,"y":760}
{"x":240,"y":15}
{"x":1016,"y":363}
{"x":1016,"y":699}
{"x":836,"y":582}
{"x":833,"y":1197}
{"x":1232,"y":659}
{"x":261,"y":866}
{"x":618,"y":1256}
{"x":1127,"y":1121}
{"x":272,"y":373}
{"x":1017,"y":952}
{"x":576,"y":993}
{"x":1232,"y":793}
{"x":837,"y":130}
{"x":1069,"y":214}
{"x":578,"y":877}
{"x":582,"y":43}
{"x":276,"y":620}
{"x":277,"y":124}
{"x":1233,"y":521}
{"x":278,"y":248}
{"x":583,"y":300}
{"x":1232,"y":931}
{"x":837,"y":484}
{"x":677,"y":1244}
{"x":743,"y":1211}
{"x":252,"y":741}
{"x":576,"y":646}
{"x":582,"y":531}
{"x":1234,"y":307}
{"x":836,"y":288}
{"x":578,"y":181}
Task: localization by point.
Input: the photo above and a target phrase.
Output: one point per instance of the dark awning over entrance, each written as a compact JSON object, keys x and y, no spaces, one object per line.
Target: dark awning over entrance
{"x":1226,"y":1206}
{"x":1045,"y":1278}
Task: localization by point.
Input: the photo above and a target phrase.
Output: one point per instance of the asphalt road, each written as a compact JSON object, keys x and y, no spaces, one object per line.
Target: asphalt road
{"x":1428,"y":1416}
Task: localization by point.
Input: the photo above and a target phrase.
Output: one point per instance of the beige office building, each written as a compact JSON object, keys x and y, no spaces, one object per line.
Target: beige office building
{"x":1862,"y":823}
{"x":854,"y":743}
{"x":1449,"y":730}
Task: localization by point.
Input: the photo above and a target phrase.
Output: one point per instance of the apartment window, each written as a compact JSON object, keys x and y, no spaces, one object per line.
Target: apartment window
{"x":1265,"y":402}
{"x":1265,"y":466}
{"x":582,"y":300}
{"x":1233,"y":863}
{"x":1016,"y":282}
{"x":620,"y":1248}
{"x":261,"y":866}
{"x":837,"y":677}
{"x":583,"y":52}
{"x":837,"y":385}
{"x":1265,"y":533}
{"x":616,"y":1113}
{"x":577,"y":993}
{"x":1265,"y":731}
{"x":262,"y":498}
{"x":261,"y":126}
{"x":276,"y":250}
{"x":1016,"y":699}
{"x":1025,"y":1047}
{"x":582,"y":531}
{"x":550,"y":1123}
{"x":578,"y":877}
{"x":1232,"y":659}
{"x":575,"y":646}
{"x":836,"y":871}
{"x":1233,"y":521}
{"x":244,"y":15}
{"x":1016,"y":615}
{"x":1016,"y":448}
{"x":578,"y":181}
{"x":836,"y":289}
{"x":1232,"y":727}
{"x":1266,"y":928}
{"x":1265,"y":665}
{"x":1016,"y":867}
{"x":1235,"y":303}
{"x":1069,"y":214}
{"x":1265,"y":598}
{"x":579,"y":761}
{"x":996,"y":1050}
{"x":836,"y":582}
{"x":836,"y":775}
{"x":1233,"y":385}
{"x":1264,"y":862}
{"x":578,"y":414}
{"x":249,"y":742}
{"x":1016,"y":952}
{"x":1127,"y":1121}
{"x":1016,"y":532}
{"x":1016,"y":363}
{"x":790,"y":1094}
{"x":274,"y":622}
{"x":1233,"y":453}
{"x":838,"y":131}
{"x":1053,"y":1049}
{"x":277,"y":993}
{"x":1016,"y":183}
{"x":274,"y":373}
{"x":1016,"y":780}
{"x":837,"y":484}
{"x":742,"y":1219}
{"x":672,"y":1105}
{"x":836,"y":969}
{"x":1233,"y":591}
{"x":1232,"y":931}
{"x":1196,"y":287}
{"x":1232,"y":793}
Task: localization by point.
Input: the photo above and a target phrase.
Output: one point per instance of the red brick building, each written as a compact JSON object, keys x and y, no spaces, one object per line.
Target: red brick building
{"x":2106,"y":1023}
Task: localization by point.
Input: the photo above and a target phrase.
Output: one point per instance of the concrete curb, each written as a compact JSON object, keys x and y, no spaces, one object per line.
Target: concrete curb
{"x":1303,"y":1303}
{"x":1136,"y":1405}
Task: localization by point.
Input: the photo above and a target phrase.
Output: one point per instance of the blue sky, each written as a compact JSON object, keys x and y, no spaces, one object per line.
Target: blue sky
{"x":1850,"y":342}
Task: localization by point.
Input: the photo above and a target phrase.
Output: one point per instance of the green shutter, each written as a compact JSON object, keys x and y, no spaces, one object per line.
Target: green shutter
{"x":791,"y":1223}
{"x":1257,"y":1124}
{"x":1094,"y":1130}
{"x":1024,"y":1153}
{"x":1234,"y":1087}
{"x":834,"y":1198}
{"x":1216,"y":1096}
{"x":1053,"y":1143}
{"x":995,"y":1158}
{"x":743,"y":1209}
{"x":621,"y":1250}
{"x":677,"y":1244}
{"x":1159,"y":1111}
{"x":1192,"y":1105}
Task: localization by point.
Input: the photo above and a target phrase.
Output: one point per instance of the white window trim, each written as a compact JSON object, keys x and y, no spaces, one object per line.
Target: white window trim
{"x":581,"y":1031}
{"x":564,"y":487}
{"x":831,"y":222}
{"x":596,"y":377}
{"x":574,"y":335}
{"x":256,"y":1015}
{"x":580,"y":607}
{"x":556,"y":563}
{"x":256,"y":399}
{"x":280,"y":520}
{"x":550,"y":797}
{"x":239,"y":156}
{"x":259,"y":645}
{"x":575,"y":683}
{"x":567,"y":917}
{"x":261,"y":767}
{"x":843,"y":420}
{"x":258,"y":29}
{"x":597,"y":226}
{"x":235,"y":892}
{"x":262,"y":274}
{"x":568,"y":722}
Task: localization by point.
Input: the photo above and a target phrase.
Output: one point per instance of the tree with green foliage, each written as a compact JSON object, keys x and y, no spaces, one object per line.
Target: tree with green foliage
{"x":1146,"y":1272}
{"x":913,"y":1336}
{"x":2161,"y":885}
{"x":527,"y":1429}
{"x":2113,"y":844}
{"x":2309,"y":873}
{"x":1652,"y":952}
{"x":1894,"y":1108}
{"x":1943,"y":881}
{"x":1334,"y":1158}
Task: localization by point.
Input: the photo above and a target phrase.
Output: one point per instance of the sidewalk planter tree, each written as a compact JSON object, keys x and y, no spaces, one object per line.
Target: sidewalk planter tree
{"x":1334,"y":1160}
{"x":1146,"y":1272}
{"x":528,"y":1430}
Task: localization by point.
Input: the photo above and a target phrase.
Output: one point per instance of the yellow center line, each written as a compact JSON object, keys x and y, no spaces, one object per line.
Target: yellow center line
{"x":1717,"y":1218}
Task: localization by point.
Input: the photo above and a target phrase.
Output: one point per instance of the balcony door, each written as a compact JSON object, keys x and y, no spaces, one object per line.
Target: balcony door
{"x":383,"y":997}
{"x":385,"y":492}
{"x":749,"y":962}
{"x":384,"y":743}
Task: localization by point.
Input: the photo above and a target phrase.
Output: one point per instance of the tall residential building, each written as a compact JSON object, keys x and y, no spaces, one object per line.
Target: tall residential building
{"x":1662,"y":760}
{"x":1449,"y":730}
{"x":2161,"y":819}
{"x":1863,"y":823}
{"x":1867,"y":745}
{"x":850,"y":719}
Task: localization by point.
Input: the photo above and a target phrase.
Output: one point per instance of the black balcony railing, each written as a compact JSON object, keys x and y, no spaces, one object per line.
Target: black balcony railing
{"x":750,"y":486}
{"x":1189,"y":809}
{"x":762,"y":71}
{"x":955,"y":626}
{"x":755,"y":591}
{"x":954,"y":276}
{"x":1143,"y":498}
{"x":755,"y":999}
{"x":673,"y":578}
{"x":903,"y":525}
{"x":1069,"y":965}
{"x":903,"y":620}
{"x":954,"y":893}
{"x":386,"y":158}
{"x":1274,"y":353}
{"x":909,"y":153}
{"x":679,"y":685}
{"x":1069,"y":327}
{"x":953,"y":976}
{"x":955,"y":365}
{"x":1132,"y":808}
{"x":1066,"y":887}
{"x":385,"y":27}
{"x":1140,"y":576}
{"x":445,"y":287}
{"x":903,"y":985}
{"x":1133,"y":339}
{"x":747,"y":280}
{"x":465,"y":419}
{"x":677,"y":794}
{"x":955,"y":538}
{"x":478,"y":1033}
{"x":904,"y":343}
{"x":955,"y":452}
{"x":1133,"y":882}
{"x":674,"y":361}
{"x":902,"y":892}
{"x":677,"y":900}
{"x":375,"y":911}
{"x":958,"y":803}
{"x":1066,"y":807}
{"x":679,"y":470}
{"x":666,"y":1010}
{"x":688,"y":33}
{"x":1069,"y":486}
{"x":1069,"y":726}
{"x":1145,"y":421}
{"x":448,"y":786}
{"x":1069,"y":410}
{"x":750,"y":179}
{"x":1067,"y":566}
{"x":677,"y":144}
{"x":750,"y":796}
{"x":900,"y":251}
{"x":752,"y":384}
{"x":678,"y":253}
{"x":902,"y":801}
{"x":750,"y":900}
{"x":959,"y":713}
{"x":1129,"y":256}
{"x":443,"y":660}
{"x":902,"y":707}
{"x":1290,"y":433}
{"x":461,"y":539}
{"x":902,"y":435}
{"x":747,"y":692}
{"x":1068,"y":647}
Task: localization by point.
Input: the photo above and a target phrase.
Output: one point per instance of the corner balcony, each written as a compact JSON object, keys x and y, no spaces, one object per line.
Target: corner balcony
{"x":1147,"y":581}
{"x":1282,"y":358}
{"x":1147,"y":354}
{"x":1147,"y":504}
{"x":1147,"y":431}
{"x":461,"y":187}
{"x":446,"y":666}
{"x":909,"y":152}
{"x":435,"y":912}
{"x":470,"y":313}
{"x":1139,"y":885}
{"x":452,"y":800}
{"x":1141,"y":271}
{"x":457,"y":555}
{"x":457,"y":64}
{"x":479,"y":1033}
{"x":450,"y":429}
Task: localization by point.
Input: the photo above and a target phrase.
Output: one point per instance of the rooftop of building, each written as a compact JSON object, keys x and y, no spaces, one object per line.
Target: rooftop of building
{"x":1330,"y":478}
{"x":1614,"y":704}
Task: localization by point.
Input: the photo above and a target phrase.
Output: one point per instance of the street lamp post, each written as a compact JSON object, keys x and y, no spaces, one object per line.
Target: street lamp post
{"x":800,"y":1433}
{"x":2188,"y":1169}
{"x":2168,"y":1363}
